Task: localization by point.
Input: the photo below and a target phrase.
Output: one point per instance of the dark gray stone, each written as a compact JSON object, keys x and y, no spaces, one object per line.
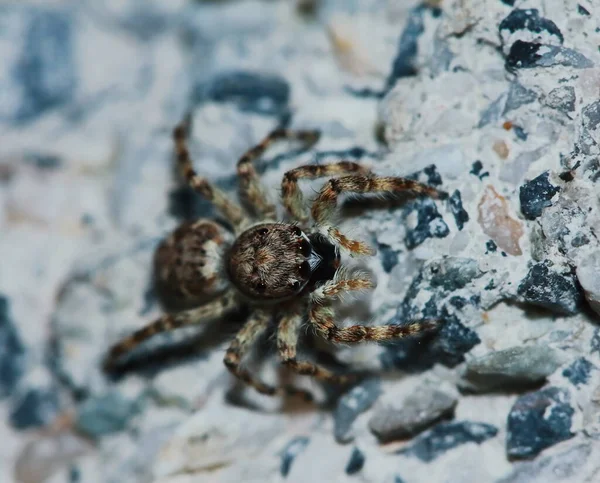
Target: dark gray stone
{"x":404,"y":64}
{"x":529,"y":20}
{"x":595,"y":342}
{"x":544,"y":287}
{"x":456,"y":207}
{"x":535,"y":195}
{"x":430,"y":223}
{"x":518,"y":96}
{"x":523,"y":55}
{"x":591,"y":115}
{"x":250,"y":91}
{"x":289,"y":453}
{"x":512,"y":368}
{"x":561,"y":98}
{"x":12,"y":351}
{"x":46,"y":69}
{"x":446,"y":436}
{"x":564,"y":466}
{"x":422,"y":408}
{"x":105,"y":414}
{"x":537,"y":421}
{"x":578,"y":373}
{"x":451,"y":273}
{"x":356,"y":462}
{"x":351,"y":405}
{"x":33,"y":408}
{"x":389,"y":257}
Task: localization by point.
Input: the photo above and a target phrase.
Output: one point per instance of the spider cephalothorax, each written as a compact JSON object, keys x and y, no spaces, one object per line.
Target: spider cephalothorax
{"x":264,"y":262}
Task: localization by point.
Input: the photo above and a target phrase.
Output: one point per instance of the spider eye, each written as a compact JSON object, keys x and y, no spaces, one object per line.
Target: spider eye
{"x":263,"y":231}
{"x":304,"y":269}
{"x":305,"y":247}
{"x":297,"y":231}
{"x":295,"y":285}
{"x":260,"y":287}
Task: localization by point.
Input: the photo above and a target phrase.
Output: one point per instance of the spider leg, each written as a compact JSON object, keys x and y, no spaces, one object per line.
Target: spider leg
{"x":168,"y":322}
{"x":287,"y":342}
{"x":324,"y":205}
{"x":250,"y":187}
{"x":256,"y":325}
{"x":232,"y":211}
{"x":338,"y":286}
{"x":321,"y":316}
{"x":292,"y":196}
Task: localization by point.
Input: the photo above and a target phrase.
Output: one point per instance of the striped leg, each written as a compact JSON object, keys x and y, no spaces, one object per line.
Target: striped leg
{"x":291,"y":194}
{"x":243,"y":341}
{"x":326,"y":203}
{"x":321,"y":316}
{"x":168,"y":322}
{"x":287,"y":342}
{"x":250,"y":187}
{"x":232,"y":211}
{"x":338,"y":286}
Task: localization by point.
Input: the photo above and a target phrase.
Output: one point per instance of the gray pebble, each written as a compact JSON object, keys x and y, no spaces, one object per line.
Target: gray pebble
{"x":416,"y":412}
{"x":561,"y":98}
{"x":514,"y":367}
{"x":12,"y":351}
{"x":105,"y":414}
{"x":351,"y":405}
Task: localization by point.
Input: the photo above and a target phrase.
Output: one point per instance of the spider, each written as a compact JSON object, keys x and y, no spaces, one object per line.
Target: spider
{"x":288,"y":272}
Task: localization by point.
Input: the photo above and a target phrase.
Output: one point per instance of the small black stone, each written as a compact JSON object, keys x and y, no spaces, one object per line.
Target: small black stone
{"x":510,"y":3}
{"x":434,"y":178}
{"x":398,"y":479}
{"x":456,"y":207}
{"x":250,"y":91}
{"x":430,"y":223}
{"x":490,"y":246}
{"x":446,"y":436}
{"x":356,"y":462}
{"x":535,"y":195}
{"x":582,"y":10}
{"x":530,"y":20}
{"x":351,"y":405}
{"x":537,"y":421}
{"x":476,"y":169}
{"x":520,"y":133}
{"x":579,"y":372}
{"x":551,"y":290}
{"x":522,"y":55}
{"x":12,"y":351}
{"x":289,"y":453}
{"x":389,"y":257}
{"x":34,"y":408}
{"x":458,"y":302}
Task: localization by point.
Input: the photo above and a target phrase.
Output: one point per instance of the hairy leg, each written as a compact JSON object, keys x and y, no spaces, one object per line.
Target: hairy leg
{"x":338,"y":286}
{"x":232,"y":211}
{"x":287,"y":342}
{"x":326,"y":203}
{"x":250,"y":186}
{"x":292,"y":196}
{"x":248,"y":335}
{"x":321,"y":316}
{"x":167,"y":322}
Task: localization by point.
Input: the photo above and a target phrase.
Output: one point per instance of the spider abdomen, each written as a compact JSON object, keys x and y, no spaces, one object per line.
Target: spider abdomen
{"x":188,"y":264}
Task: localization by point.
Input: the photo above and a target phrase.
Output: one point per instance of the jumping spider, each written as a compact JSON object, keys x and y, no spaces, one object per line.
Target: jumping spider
{"x":288,"y":272}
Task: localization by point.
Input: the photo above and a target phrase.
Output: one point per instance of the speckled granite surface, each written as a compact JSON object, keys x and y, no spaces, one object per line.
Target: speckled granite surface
{"x":497,"y":102}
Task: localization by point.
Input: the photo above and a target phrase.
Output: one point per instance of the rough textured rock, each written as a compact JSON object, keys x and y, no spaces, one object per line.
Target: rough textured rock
{"x":446,"y":436}
{"x":351,"y":405}
{"x":537,"y":421}
{"x":514,"y":367}
{"x":433,"y":91}
{"x":401,"y":419}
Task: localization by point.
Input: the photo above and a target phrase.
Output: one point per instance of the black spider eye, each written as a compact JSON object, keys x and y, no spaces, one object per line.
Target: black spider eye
{"x":305,"y":247}
{"x":295,"y":285}
{"x":263,"y":231}
{"x":297,"y":231}
{"x":260,"y":287}
{"x":304,"y":269}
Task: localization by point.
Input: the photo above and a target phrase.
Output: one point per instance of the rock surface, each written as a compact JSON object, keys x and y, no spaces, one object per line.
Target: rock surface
{"x":496,"y":103}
